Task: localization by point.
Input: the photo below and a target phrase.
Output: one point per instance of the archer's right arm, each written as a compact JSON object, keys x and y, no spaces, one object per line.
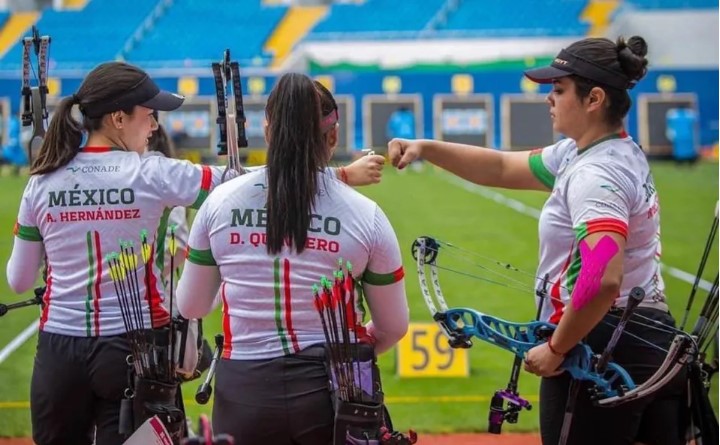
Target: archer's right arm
{"x":27,"y":254}
{"x":384,"y":287}
{"x":484,"y":166}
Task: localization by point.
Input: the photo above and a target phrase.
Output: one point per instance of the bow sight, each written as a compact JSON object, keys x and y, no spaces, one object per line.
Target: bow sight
{"x":231,"y":113}
{"x":35,"y":111}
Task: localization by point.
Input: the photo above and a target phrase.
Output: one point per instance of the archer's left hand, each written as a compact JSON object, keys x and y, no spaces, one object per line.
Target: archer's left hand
{"x":542,"y":362}
{"x":365,"y":170}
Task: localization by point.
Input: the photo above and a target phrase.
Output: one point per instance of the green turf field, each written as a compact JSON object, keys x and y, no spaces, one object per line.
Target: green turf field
{"x":430,"y":203}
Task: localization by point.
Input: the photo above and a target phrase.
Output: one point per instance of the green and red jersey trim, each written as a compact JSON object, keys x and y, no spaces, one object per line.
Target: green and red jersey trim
{"x":27,"y":233}
{"x":205,"y":184}
{"x":283,"y":307}
{"x":383,"y":279}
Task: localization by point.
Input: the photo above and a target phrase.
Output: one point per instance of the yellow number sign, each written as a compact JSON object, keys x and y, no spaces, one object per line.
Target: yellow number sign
{"x":256,"y":157}
{"x":193,"y":156}
{"x":425,"y":352}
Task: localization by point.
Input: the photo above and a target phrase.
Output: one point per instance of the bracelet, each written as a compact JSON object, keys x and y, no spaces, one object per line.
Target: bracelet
{"x":343,"y":175}
{"x":553,"y":350}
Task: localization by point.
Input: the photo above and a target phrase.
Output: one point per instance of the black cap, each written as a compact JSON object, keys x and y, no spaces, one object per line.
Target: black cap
{"x":145,"y":93}
{"x":567,"y":63}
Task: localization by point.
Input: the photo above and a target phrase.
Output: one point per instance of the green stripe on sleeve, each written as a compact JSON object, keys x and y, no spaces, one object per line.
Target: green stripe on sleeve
{"x":383,"y":279}
{"x":202,"y":196}
{"x":537,"y":167}
{"x":201,"y":257}
{"x":27,"y":233}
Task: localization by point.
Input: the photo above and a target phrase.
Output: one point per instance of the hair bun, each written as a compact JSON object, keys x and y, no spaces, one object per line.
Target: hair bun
{"x":631,"y":55}
{"x":638,"y":46}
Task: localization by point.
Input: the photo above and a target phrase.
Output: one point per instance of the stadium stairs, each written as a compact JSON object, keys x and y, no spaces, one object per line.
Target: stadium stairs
{"x":16,"y":26}
{"x":295,"y":24}
{"x":599,"y":14}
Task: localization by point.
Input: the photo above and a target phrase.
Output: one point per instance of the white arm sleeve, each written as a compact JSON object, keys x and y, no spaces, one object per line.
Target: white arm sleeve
{"x":24,"y":265}
{"x":200,"y":280}
{"x":196,"y":290}
{"x":28,"y":250}
{"x":384,"y":287}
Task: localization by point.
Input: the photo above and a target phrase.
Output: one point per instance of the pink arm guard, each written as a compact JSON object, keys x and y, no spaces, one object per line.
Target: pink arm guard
{"x":594,"y":261}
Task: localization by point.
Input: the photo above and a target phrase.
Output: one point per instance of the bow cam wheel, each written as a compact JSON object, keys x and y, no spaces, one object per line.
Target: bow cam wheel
{"x":431,"y":249}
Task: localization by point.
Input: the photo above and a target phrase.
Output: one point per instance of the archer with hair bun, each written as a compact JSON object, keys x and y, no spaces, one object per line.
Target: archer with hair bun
{"x":599,"y":238}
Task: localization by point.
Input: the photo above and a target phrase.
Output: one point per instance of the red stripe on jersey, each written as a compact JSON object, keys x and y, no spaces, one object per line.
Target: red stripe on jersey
{"x":46,"y":298}
{"x":607,"y":225}
{"x":227,"y":332}
{"x":288,"y":306}
{"x":206,"y":181}
{"x":555,"y":299}
{"x":96,"y":149}
{"x":159,"y":316}
{"x":97,"y":283}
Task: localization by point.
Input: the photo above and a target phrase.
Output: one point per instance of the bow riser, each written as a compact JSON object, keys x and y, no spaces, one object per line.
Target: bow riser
{"x":462,"y":324}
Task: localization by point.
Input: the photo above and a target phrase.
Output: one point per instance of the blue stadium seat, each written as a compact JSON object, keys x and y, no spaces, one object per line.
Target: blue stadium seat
{"x":380,"y":19}
{"x":672,"y":4}
{"x":88,"y":36}
{"x":492,"y":18}
{"x":376,"y":16}
{"x":4,"y":16}
{"x":200,"y":30}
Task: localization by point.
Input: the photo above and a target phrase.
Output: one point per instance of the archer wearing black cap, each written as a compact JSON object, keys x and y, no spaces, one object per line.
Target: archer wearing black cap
{"x":599,"y":239}
{"x":80,"y":201}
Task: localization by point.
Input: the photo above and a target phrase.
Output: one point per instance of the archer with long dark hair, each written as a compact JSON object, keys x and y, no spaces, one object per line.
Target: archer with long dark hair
{"x":262,"y":242}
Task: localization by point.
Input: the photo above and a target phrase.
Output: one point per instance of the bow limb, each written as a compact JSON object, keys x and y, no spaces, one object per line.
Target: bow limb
{"x":682,"y":352}
{"x":231,"y":115}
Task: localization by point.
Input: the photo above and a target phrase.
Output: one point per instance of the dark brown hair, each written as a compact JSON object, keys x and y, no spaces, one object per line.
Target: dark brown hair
{"x":64,"y":135}
{"x":625,"y":57}
{"x":296,"y":153}
{"x":327,"y":101}
{"x":161,"y":142}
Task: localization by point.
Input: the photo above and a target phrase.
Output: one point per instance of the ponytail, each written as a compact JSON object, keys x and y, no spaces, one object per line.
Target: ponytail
{"x":296,"y":153}
{"x":61,"y":142}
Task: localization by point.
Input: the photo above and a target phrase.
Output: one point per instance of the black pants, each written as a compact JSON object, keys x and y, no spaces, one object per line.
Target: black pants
{"x":653,"y":420}
{"x":282,"y":401}
{"x":76,"y":388}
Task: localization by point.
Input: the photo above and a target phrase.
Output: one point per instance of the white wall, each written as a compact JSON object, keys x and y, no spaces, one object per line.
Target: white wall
{"x":677,"y":39}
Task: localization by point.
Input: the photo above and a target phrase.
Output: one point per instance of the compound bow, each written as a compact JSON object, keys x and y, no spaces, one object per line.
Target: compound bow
{"x":611,"y":383}
{"x":34,"y":114}
{"x":35,"y":111}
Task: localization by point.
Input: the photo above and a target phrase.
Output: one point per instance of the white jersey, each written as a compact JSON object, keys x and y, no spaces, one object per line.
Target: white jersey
{"x":267,"y":300}
{"x":607,"y":187}
{"x":82,"y":211}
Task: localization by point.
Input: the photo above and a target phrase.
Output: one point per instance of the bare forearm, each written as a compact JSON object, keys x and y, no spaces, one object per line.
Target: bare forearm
{"x":476,"y":164}
{"x":484,"y":166}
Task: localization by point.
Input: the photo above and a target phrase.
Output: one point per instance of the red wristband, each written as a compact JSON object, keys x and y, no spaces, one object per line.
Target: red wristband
{"x":343,"y":175}
{"x":553,"y":350}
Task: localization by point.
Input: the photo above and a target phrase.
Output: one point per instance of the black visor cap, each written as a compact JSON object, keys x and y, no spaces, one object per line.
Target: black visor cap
{"x":566,"y":64}
{"x":146,"y":93}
